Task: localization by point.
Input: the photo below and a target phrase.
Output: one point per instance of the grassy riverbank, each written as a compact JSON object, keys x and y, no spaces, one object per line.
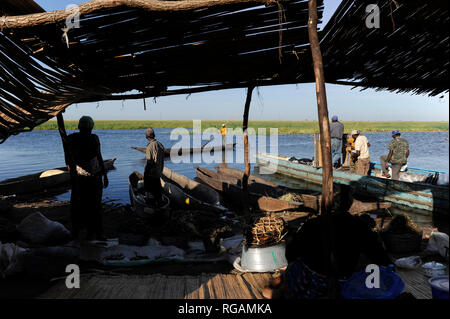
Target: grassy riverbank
{"x":284,"y":127}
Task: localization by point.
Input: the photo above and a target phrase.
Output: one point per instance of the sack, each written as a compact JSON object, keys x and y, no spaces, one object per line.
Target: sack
{"x":11,"y":259}
{"x":38,"y":230}
{"x":438,"y":242}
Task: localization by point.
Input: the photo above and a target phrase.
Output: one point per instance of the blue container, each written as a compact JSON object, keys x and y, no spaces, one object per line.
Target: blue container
{"x":391,"y":285}
{"x":439,"y":287}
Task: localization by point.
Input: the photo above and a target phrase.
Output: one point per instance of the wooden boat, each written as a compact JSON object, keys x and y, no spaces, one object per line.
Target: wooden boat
{"x":186,"y":193}
{"x":186,"y":151}
{"x":139,"y":204}
{"x":310,"y":199}
{"x":42,"y":181}
{"x":230,"y":187}
{"x":425,"y":197}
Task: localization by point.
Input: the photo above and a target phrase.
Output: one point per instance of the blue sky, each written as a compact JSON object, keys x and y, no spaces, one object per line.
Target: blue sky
{"x":287,"y":102}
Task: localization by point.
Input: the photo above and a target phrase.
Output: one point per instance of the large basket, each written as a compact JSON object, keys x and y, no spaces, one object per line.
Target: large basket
{"x":402,"y":243}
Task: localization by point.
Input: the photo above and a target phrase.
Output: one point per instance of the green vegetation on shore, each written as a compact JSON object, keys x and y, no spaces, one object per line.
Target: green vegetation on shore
{"x":284,"y":127}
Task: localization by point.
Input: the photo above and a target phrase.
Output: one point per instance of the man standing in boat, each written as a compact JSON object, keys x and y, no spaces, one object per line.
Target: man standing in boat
{"x":361,"y":153}
{"x":154,"y":155}
{"x":398,"y":155}
{"x":85,"y":158}
{"x":336,"y":133}
{"x":223,"y":131}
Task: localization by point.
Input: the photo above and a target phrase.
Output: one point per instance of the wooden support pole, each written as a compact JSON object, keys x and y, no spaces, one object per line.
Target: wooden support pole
{"x":245,"y":133}
{"x":325,"y":139}
{"x":67,"y":155}
{"x":63,"y":134}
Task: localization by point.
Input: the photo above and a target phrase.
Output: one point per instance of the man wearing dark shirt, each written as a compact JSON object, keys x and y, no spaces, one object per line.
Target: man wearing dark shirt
{"x":336,"y":133}
{"x":154,"y":154}
{"x":87,"y":168}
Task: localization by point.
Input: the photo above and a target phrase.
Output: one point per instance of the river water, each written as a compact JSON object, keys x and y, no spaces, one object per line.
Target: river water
{"x":36,"y":151}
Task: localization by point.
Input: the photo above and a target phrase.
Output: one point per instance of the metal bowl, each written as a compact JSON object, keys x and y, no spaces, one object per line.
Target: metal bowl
{"x":262,"y":259}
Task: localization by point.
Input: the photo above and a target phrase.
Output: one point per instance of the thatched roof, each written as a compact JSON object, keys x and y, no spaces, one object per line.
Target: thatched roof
{"x":149,"y":46}
{"x":154,"y":46}
{"x":19,"y":7}
{"x":408,"y":53}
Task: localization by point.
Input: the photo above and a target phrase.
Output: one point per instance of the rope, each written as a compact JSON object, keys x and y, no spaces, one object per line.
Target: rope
{"x":65,"y":35}
{"x":3,"y":23}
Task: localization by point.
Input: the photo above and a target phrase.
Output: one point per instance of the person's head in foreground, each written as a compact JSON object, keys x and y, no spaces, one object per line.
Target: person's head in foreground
{"x":334,"y":118}
{"x":85,"y":125}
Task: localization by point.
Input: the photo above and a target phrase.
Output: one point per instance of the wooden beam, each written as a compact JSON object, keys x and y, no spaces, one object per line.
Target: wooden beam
{"x":51,"y":17}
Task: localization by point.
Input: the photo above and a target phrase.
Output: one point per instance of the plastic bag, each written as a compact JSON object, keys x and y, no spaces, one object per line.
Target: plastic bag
{"x":438,"y":242}
{"x":39,"y":230}
{"x":411,"y":262}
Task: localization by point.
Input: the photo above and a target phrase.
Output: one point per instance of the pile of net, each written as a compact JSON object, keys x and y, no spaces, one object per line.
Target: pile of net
{"x":291,"y":197}
{"x":266,"y":230}
{"x":402,"y":224}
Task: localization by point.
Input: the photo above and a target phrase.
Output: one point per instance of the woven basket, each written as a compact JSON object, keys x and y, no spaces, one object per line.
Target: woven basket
{"x":402,"y":243}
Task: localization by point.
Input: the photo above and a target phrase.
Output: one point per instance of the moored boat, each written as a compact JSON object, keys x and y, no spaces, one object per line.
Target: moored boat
{"x":418,"y":195}
{"x":42,"y":181}
{"x":310,"y":199}
{"x":186,"y":193}
{"x":230,"y":187}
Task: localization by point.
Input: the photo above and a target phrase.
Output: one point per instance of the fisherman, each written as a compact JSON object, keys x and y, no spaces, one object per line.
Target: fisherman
{"x":398,"y":155}
{"x":349,"y":149}
{"x":308,"y":254}
{"x":223,"y":131}
{"x":336,"y":133}
{"x":361,"y":155}
{"x":87,"y":168}
{"x":154,"y":154}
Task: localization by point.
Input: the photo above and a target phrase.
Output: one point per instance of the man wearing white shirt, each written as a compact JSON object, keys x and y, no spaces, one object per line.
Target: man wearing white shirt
{"x":361,"y":153}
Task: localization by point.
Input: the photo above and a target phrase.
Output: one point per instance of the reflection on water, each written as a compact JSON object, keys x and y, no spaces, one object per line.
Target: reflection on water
{"x":35,"y":151}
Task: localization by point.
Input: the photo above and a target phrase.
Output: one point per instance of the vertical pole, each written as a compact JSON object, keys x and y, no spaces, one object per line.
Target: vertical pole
{"x":325,"y":140}
{"x":63,"y":134}
{"x":325,"y":146}
{"x":245,"y":133}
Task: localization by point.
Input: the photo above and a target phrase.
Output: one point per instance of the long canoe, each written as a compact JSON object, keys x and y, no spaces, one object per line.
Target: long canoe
{"x":42,"y":181}
{"x":310,"y":199}
{"x":230,"y":187}
{"x":425,"y":197}
{"x":186,"y":151}
{"x":186,"y":193}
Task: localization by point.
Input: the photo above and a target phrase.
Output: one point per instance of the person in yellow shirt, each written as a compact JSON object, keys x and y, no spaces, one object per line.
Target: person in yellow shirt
{"x":223,"y":131}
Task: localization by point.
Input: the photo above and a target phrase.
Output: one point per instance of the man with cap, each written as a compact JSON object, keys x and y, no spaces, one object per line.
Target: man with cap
{"x":398,"y":155}
{"x":336,"y":133}
{"x":85,"y":162}
{"x":154,"y":155}
{"x":361,"y":153}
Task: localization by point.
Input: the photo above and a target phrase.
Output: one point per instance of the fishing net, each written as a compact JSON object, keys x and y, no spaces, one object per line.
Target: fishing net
{"x":266,"y":231}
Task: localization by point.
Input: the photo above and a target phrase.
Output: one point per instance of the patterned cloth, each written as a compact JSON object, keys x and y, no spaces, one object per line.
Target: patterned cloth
{"x":398,"y":146}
